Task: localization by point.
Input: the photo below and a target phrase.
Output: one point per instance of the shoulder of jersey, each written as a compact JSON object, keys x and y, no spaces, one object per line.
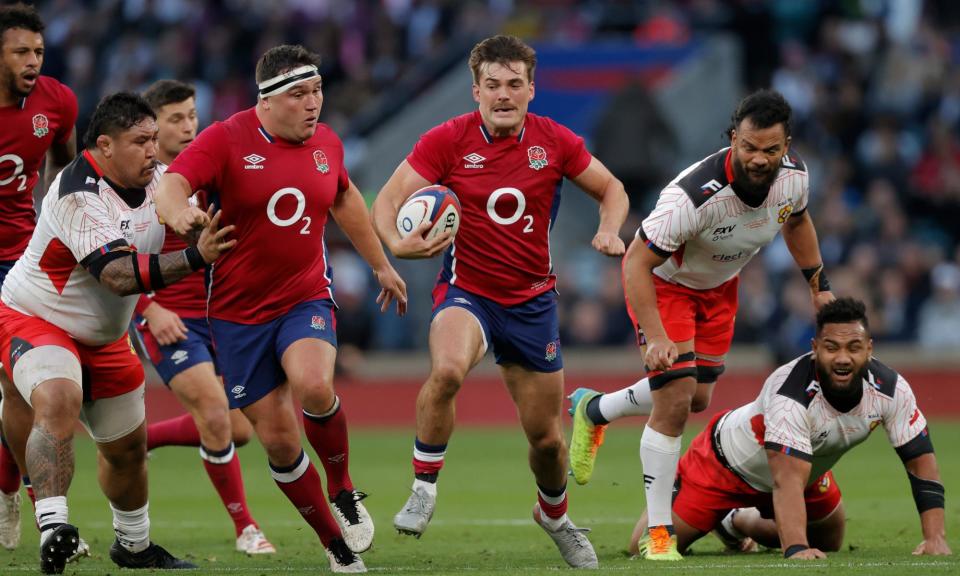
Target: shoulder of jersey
{"x":78,"y":176}
{"x":798,"y":383}
{"x":882,"y":377}
{"x":792,"y":161}
{"x":705,"y":178}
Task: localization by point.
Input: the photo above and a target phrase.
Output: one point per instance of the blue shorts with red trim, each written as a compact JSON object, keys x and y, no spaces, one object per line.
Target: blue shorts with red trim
{"x":173,"y":359}
{"x":5,"y":266}
{"x":249,"y":354}
{"x":527,"y":334}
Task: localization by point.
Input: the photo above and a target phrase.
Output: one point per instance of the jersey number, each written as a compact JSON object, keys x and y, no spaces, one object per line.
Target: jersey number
{"x":17,"y":171}
{"x":297,"y":214}
{"x":517,"y":214}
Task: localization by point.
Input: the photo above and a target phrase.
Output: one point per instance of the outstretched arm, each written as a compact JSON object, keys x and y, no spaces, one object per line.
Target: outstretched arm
{"x":928,"y":494}
{"x":790,"y":476}
{"x":604,"y":187}
{"x":801,"y":239}
{"x":350,"y":212}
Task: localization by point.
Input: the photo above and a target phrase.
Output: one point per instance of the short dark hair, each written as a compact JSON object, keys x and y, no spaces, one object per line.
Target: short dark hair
{"x":764,"y":108}
{"x":283,"y":58}
{"x":114,"y":114}
{"x":503,"y":50}
{"x":19,"y":16}
{"x":843,"y":311}
{"x":163,"y":92}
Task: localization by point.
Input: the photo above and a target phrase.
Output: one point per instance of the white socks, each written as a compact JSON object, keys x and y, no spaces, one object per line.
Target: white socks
{"x":428,"y":487}
{"x":659,"y":454}
{"x":634,"y":400}
{"x":51,"y":512}
{"x":132,"y":528}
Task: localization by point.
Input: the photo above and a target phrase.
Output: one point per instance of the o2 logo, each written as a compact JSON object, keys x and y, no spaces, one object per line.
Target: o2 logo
{"x":518,"y":213}
{"x":296,"y":217}
{"x":17,"y":171}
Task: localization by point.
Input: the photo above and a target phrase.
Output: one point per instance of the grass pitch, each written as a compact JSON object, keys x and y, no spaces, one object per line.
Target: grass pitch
{"x":482,"y":524}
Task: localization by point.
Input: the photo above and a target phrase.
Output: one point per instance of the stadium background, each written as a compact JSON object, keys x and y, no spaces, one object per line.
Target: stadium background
{"x":875,"y":87}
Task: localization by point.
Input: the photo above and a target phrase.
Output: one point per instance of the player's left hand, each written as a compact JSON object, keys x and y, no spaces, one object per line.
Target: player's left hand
{"x":392,"y":287}
{"x":820,"y":299}
{"x":933,"y":547}
{"x":608,"y":244}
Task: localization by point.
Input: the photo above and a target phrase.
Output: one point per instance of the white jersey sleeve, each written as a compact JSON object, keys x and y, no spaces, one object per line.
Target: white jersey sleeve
{"x":902,"y":419}
{"x":787,"y":426}
{"x":672,"y":223}
{"x":85,"y":223}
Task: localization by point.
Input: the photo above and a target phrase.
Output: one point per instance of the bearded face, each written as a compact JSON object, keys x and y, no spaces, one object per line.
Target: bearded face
{"x":756,"y":157}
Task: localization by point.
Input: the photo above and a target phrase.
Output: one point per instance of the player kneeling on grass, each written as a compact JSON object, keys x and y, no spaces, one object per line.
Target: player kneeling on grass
{"x":774,"y":455}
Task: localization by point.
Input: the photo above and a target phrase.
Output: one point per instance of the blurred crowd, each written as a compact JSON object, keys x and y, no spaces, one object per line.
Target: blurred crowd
{"x":875,"y":86}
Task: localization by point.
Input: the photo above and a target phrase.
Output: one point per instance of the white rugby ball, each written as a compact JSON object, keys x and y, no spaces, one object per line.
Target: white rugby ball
{"x":436,"y":204}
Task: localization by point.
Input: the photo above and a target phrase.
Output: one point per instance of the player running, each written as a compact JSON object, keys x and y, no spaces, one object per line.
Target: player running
{"x":37,"y":114}
{"x":774,"y":455}
{"x":496,"y":287}
{"x":680,"y":277}
{"x":277,"y":173}
{"x":173,"y":326}
{"x":66,"y":305}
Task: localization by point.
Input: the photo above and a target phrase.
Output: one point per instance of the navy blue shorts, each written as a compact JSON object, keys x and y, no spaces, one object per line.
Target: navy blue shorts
{"x":5,"y":266}
{"x":249,"y":354}
{"x":527,"y":334}
{"x":175,"y":358}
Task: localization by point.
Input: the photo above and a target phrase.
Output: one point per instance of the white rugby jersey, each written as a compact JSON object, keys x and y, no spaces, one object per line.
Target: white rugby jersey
{"x":706,"y":232}
{"x":83,"y":216}
{"x":792,"y":416}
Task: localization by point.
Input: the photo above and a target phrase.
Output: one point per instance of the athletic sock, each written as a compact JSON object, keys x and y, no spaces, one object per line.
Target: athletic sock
{"x":427,"y":460}
{"x":659,"y":454}
{"x":327,"y":433}
{"x":301,"y":484}
{"x":178,"y":431}
{"x":223,"y":468}
{"x":50,"y":513}
{"x":132,"y":528}
{"x":553,"y":506}
{"x":634,"y":400}
{"x":30,"y":493}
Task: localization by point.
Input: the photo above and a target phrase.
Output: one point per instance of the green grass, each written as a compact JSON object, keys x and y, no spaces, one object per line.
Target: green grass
{"x":482,"y":524}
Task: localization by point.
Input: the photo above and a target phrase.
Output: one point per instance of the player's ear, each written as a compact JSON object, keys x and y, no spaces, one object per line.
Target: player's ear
{"x":476,"y":93}
{"x":533,"y":91}
{"x":105,"y":145}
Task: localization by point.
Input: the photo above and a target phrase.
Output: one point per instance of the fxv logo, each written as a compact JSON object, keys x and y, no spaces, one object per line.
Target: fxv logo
{"x":723,"y":230}
{"x":711,"y":186}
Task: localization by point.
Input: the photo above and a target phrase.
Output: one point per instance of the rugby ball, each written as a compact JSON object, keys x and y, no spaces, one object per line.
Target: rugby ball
{"x":436,"y":204}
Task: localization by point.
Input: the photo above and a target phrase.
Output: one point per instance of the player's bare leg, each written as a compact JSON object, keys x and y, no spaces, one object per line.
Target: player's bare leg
{"x":825,"y":534}
{"x":200,"y":391}
{"x":309,"y":365}
{"x":539,"y":400}
{"x":276,"y":424}
{"x":456,"y":345}
{"x":17,"y":422}
{"x":240,"y":428}
{"x":686,"y":534}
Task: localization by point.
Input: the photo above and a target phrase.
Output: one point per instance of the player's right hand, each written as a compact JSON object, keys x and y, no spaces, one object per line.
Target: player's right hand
{"x":165,"y":325}
{"x":808,"y":554}
{"x":213,"y":239}
{"x":190,"y":220}
{"x":415,"y":246}
{"x":933,"y":547}
{"x":661,"y":353}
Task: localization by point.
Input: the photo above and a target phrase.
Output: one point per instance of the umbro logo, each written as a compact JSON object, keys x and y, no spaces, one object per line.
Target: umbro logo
{"x":179,"y":356}
{"x":238,"y":391}
{"x":463,"y":301}
{"x":474,"y":160}
{"x":253,"y":162}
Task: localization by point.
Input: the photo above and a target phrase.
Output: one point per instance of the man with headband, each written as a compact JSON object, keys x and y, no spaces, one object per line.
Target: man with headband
{"x":277,"y":172}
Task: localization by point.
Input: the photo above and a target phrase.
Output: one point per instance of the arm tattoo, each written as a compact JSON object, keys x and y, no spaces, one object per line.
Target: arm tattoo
{"x":120,"y":277}
{"x":49,"y":462}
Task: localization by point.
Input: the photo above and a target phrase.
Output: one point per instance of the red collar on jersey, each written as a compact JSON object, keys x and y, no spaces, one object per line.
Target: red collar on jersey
{"x":728,"y":165}
{"x":93,"y":163}
{"x":489,"y":137}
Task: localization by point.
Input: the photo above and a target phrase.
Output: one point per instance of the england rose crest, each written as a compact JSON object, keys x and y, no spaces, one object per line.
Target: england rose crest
{"x":321,"y":160}
{"x":551,"y":352}
{"x":537,"y":156}
{"x":318,"y":323}
{"x":41,"y":126}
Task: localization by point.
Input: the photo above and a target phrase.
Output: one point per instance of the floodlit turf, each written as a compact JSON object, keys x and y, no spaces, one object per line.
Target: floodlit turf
{"x":482,"y":524}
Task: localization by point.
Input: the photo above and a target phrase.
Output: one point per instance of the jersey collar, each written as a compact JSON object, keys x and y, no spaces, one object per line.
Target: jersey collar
{"x":489,"y":137}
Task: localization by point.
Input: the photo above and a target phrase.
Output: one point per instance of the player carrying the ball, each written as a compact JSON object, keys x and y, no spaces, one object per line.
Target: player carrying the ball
{"x":497,"y":282}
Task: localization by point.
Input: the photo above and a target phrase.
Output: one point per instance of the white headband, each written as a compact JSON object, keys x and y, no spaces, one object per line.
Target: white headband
{"x":287,"y":80}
